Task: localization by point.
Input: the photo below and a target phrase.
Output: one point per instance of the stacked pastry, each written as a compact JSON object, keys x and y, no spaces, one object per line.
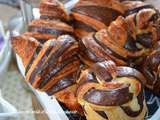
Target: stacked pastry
{"x":98,"y":72}
{"x":52,"y":22}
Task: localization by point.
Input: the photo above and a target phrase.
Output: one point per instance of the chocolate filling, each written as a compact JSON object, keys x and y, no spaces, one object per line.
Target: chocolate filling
{"x":55,"y":70}
{"x":129,"y":111}
{"x":62,"y":84}
{"x":101,"y":72}
{"x":53,"y":18}
{"x":111,"y":51}
{"x":52,"y":60}
{"x":89,"y":53}
{"x":83,"y":26}
{"x":145,"y":39}
{"x":114,"y":97}
{"x":135,"y":10}
{"x":53,"y":31}
{"x":102,"y":114}
{"x":129,"y":72}
{"x":100,"y":13}
{"x":39,"y":65}
{"x":35,"y":54}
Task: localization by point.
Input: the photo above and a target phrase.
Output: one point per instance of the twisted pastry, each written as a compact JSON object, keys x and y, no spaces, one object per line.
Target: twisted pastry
{"x":51,"y":67}
{"x":127,"y":40}
{"x":52,"y":22}
{"x":93,"y":15}
{"x":53,"y":9}
{"x":108,"y":92}
{"x":151,"y":70}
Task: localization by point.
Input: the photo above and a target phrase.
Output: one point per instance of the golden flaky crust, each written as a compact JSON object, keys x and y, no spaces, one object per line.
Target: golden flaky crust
{"x":24,"y":46}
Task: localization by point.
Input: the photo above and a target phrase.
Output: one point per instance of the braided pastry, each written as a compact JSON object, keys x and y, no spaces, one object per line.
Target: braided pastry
{"x":93,"y":15}
{"x":51,"y":67}
{"x":127,"y":40}
{"x":108,"y":92}
{"x":151,"y":70}
{"x":52,"y":22}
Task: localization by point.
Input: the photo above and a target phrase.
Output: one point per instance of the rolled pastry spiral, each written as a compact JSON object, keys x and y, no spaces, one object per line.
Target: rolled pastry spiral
{"x":51,"y":67}
{"x":127,"y":40}
{"x":108,"y":92}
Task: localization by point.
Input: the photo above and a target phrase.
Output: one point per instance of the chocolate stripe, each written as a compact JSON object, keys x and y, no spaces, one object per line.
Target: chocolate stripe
{"x":53,"y":18}
{"x":102,"y":114}
{"x":135,"y":10}
{"x":83,"y":26}
{"x":53,"y":31}
{"x":39,"y":65}
{"x":54,"y":56}
{"x":35,"y":54}
{"x":132,"y":113}
{"x":62,"y":84}
{"x":108,"y":49}
{"x":130,"y":72}
{"x":55,"y":70}
{"x":100,"y":13}
{"x":114,"y":97}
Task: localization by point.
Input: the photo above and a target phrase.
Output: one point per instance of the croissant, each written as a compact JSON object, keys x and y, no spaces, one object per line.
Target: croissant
{"x":93,"y":15}
{"x":51,"y":67}
{"x":151,"y":69}
{"x":127,"y":40}
{"x":108,"y":92}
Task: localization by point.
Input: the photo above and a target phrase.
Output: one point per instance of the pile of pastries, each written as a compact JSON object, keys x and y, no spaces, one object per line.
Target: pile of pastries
{"x":96,"y":59}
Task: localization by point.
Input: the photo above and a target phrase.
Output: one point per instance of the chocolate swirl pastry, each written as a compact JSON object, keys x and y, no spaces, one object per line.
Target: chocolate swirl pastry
{"x":127,"y":40}
{"x":44,"y":29}
{"x":93,"y":15}
{"x":108,"y":92}
{"x":53,"y":9}
{"x":51,"y":67}
{"x":151,"y":70}
{"x":52,"y":22}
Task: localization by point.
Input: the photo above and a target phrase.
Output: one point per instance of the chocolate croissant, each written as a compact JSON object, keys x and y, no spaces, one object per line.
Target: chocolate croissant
{"x":151,"y":70}
{"x":93,"y":15}
{"x":127,"y":40}
{"x":51,"y":67}
{"x":108,"y":92}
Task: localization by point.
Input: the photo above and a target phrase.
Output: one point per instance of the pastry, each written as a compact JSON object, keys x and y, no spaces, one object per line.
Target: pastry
{"x":151,"y":70}
{"x":53,"y":22}
{"x":43,"y":29}
{"x":93,"y":15}
{"x":108,"y":92}
{"x":51,"y":67}
{"x":127,"y":40}
{"x":53,"y":9}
